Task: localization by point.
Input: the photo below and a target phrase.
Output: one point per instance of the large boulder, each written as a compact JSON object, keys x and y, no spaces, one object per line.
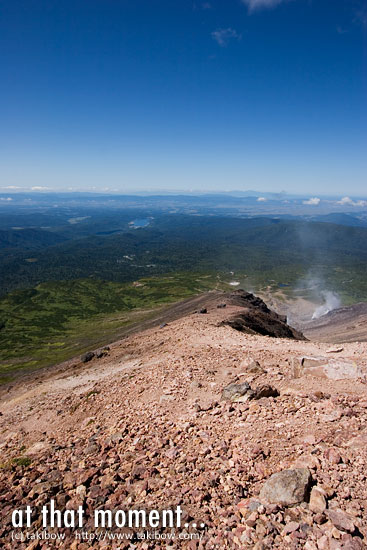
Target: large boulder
{"x":341,"y":520}
{"x":237,"y":392}
{"x":287,"y":487}
{"x":324,"y":367}
{"x":317,"y":500}
{"x":86,"y":357}
{"x":264,"y":391}
{"x":240,"y":393}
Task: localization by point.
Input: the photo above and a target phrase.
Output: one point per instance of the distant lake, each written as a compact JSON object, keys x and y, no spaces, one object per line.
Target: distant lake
{"x":143,"y":222}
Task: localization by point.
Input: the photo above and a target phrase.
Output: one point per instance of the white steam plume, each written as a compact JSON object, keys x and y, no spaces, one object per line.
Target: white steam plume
{"x":331,"y":301}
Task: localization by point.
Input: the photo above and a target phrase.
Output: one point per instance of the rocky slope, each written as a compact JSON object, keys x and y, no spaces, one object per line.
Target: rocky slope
{"x":198,"y":414}
{"x":345,"y":324}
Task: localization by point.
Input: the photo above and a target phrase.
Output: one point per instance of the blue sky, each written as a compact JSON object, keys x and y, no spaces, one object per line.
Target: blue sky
{"x":184,"y":95}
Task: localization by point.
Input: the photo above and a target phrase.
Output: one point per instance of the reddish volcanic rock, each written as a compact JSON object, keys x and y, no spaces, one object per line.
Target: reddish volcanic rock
{"x":145,"y":427}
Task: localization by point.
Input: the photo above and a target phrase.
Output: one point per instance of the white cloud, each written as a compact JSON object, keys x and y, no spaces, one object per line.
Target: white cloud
{"x":345,"y":200}
{"x":348,"y":201}
{"x":6,"y":199}
{"x":259,"y":4}
{"x":313,"y":201}
{"x":11,"y":187}
{"x":223,"y":36}
{"x":39,"y":188}
{"x":261,"y":199}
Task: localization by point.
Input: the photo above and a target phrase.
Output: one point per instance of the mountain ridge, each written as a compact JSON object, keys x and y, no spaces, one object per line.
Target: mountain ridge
{"x":146,"y":425}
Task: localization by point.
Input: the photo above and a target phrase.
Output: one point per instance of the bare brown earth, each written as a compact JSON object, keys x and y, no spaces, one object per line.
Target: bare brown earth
{"x":146,"y":427}
{"x":346,"y":324}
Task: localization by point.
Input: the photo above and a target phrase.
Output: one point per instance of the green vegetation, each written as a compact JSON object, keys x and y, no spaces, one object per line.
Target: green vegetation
{"x":56,"y":320}
{"x":22,"y":461}
{"x":76,"y":291}
{"x":261,"y":248}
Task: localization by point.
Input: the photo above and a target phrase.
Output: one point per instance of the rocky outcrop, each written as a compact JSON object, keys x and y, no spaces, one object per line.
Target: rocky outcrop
{"x":86,"y":357}
{"x":257,"y":318}
{"x":240,"y":393}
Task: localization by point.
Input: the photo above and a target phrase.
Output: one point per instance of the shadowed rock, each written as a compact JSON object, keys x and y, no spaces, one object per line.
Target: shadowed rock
{"x":264,"y":391}
{"x":257,"y":318}
{"x":87,"y":357}
{"x":240,"y":393}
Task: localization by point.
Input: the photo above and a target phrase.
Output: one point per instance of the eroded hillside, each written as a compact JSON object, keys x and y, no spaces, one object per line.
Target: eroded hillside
{"x":147,"y":425}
